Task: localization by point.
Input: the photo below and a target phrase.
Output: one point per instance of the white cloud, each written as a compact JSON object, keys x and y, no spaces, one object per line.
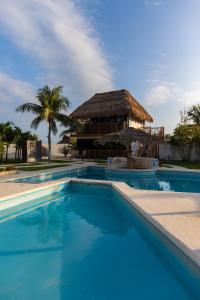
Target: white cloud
{"x":191,"y":96}
{"x":12,"y":90}
{"x":60,"y":37}
{"x":153,"y":2}
{"x":161,"y":92}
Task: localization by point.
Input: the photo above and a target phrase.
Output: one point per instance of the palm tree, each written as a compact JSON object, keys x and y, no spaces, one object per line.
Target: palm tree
{"x":51,"y":103}
{"x":17,"y":139}
{"x":6,"y":136}
{"x":9,"y":137}
{"x":194,"y":114}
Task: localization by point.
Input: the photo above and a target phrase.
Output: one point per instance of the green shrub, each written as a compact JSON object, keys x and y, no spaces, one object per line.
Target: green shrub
{"x":65,"y":149}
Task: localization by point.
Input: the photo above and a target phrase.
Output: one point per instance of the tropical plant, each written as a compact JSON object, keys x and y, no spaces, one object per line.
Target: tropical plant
{"x":183,"y":137}
{"x":194,"y":114}
{"x":65,"y":150}
{"x":20,"y":138}
{"x":9,"y":137}
{"x":11,"y":134}
{"x":51,"y":103}
{"x":6,"y":136}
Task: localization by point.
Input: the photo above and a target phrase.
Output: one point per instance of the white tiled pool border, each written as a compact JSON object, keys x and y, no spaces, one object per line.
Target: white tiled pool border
{"x":180,"y":248}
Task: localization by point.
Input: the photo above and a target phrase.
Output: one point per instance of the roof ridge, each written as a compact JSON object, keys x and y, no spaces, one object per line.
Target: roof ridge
{"x":113,"y":91}
{"x":117,"y":102}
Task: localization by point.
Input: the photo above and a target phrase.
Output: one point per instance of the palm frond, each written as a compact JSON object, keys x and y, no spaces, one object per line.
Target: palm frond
{"x":29,"y":107}
{"x":54,"y":128}
{"x":194,"y":114}
{"x":65,"y":132}
{"x":72,"y":126}
{"x":63,"y":119}
{"x":35,"y":123}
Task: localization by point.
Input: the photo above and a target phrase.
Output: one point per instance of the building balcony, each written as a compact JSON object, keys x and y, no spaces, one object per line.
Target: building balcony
{"x":98,"y":129}
{"x":156,"y":131}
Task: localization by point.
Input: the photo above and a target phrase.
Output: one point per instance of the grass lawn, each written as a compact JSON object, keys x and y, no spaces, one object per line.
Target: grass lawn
{"x":20,"y":164}
{"x":44,"y":161}
{"x":59,"y":161}
{"x":185,"y":164}
{"x":41,"y":167}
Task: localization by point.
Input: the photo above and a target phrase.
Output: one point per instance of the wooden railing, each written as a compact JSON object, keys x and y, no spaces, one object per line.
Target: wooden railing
{"x":90,"y":129}
{"x":157,"y":131}
{"x":101,"y":128}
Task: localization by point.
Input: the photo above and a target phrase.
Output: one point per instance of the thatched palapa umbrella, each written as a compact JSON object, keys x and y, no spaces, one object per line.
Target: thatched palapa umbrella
{"x":127,"y":136}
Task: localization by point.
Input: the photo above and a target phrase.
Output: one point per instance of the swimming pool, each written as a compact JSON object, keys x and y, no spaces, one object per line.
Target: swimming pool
{"x":145,"y":180}
{"x":86,"y":242}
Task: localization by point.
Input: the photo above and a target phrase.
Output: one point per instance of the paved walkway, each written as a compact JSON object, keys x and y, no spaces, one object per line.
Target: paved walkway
{"x":12,"y":188}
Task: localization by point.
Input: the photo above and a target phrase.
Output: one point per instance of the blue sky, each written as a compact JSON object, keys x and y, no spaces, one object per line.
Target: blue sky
{"x":150,"y":47}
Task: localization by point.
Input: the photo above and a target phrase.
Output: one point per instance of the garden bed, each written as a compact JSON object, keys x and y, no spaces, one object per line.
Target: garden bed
{"x":7,"y":173}
{"x":8,"y":170}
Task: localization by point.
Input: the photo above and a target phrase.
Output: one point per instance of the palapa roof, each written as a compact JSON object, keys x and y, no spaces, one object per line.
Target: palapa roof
{"x":114,"y":103}
{"x":127,"y":135}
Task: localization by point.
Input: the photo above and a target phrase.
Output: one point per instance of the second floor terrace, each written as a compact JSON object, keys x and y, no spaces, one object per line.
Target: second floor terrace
{"x":96,"y":129}
{"x":101,"y":128}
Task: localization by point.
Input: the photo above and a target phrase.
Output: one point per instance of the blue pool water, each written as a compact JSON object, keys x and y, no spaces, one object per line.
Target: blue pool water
{"x":85,"y":242}
{"x":155,"y":180}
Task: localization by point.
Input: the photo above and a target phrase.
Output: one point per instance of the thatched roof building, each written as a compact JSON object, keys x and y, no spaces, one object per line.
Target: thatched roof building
{"x":114,"y":103}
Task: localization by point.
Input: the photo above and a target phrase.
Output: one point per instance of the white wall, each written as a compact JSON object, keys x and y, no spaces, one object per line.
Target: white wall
{"x":133,"y":123}
{"x":11,"y":151}
{"x":168,"y":151}
{"x":55,"y":149}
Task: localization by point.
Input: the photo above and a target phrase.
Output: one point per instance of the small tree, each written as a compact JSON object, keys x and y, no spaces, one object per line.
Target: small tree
{"x":65,"y":150}
{"x":183,"y":137}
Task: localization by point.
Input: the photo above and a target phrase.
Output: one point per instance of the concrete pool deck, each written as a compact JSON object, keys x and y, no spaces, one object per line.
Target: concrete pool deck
{"x":177,"y":215}
{"x":9,"y":188}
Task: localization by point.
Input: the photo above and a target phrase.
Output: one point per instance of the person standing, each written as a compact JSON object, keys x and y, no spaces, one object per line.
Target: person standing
{"x":135,"y":146}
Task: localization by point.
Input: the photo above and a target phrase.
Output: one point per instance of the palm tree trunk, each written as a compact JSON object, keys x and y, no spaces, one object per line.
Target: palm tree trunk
{"x":16,"y":153}
{"x":49,"y":143}
{"x":6,"y":153}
